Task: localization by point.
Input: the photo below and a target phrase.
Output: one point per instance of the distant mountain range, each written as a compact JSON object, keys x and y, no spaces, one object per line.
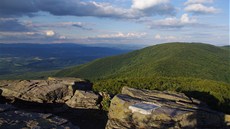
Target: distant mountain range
{"x":170,"y":60}
{"x":25,"y":58}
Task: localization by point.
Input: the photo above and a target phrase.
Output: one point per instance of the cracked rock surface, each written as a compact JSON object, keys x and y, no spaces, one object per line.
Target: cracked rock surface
{"x":53,"y":90}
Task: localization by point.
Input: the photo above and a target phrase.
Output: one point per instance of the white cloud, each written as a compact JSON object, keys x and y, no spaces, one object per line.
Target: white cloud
{"x":145,"y":4}
{"x":185,"y":19}
{"x":121,"y":35}
{"x":165,"y":38}
{"x":173,"y":22}
{"x":157,"y":36}
{"x":198,"y":2}
{"x":138,"y":9}
{"x":62,"y":37}
{"x":152,"y":7}
{"x":30,"y":33}
{"x":200,"y":9}
{"x":50,"y":33}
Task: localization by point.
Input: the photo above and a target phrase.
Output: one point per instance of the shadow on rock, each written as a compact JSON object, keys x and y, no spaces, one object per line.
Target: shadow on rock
{"x":83,"y":118}
{"x":210,"y":100}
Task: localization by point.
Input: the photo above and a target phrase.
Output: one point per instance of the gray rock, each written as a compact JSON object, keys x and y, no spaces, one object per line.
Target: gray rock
{"x":52,"y":90}
{"x":84,"y":99}
{"x":170,"y":110}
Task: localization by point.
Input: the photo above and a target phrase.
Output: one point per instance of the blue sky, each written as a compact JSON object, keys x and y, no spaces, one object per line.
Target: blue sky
{"x":132,"y":22}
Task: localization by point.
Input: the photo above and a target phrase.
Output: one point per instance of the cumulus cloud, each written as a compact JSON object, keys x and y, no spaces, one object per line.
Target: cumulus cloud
{"x":151,"y":7}
{"x":49,"y":33}
{"x":173,"y":22}
{"x":145,"y":4}
{"x":198,"y":1}
{"x":9,"y":8}
{"x":200,"y":9}
{"x":62,"y":8}
{"x":79,"y":8}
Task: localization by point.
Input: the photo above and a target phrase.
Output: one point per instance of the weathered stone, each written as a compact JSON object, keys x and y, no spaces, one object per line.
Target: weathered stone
{"x":84,"y":99}
{"x":175,"y":111}
{"x":52,"y":90}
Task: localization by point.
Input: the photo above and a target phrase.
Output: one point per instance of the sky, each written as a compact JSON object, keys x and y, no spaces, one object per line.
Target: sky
{"x":132,"y":22}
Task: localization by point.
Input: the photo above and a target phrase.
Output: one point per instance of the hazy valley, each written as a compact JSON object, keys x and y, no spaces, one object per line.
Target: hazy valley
{"x":18,"y":59}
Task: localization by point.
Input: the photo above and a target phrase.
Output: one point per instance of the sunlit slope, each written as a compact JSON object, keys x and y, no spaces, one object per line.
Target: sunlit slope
{"x":171,"y":60}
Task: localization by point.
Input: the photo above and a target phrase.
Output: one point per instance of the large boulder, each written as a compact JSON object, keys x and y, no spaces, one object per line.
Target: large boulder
{"x":155,"y":109}
{"x":84,"y":99}
{"x":38,"y":90}
{"x":52,"y":90}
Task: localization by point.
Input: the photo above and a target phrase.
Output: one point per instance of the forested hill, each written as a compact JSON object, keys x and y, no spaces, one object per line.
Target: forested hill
{"x":195,"y":60}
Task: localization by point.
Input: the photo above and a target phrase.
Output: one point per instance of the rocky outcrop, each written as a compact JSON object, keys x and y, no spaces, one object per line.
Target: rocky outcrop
{"x":84,"y":99}
{"x":38,"y":90}
{"x":154,"y":109}
{"x":33,"y":103}
{"x":13,"y":118}
{"x":69,"y":91}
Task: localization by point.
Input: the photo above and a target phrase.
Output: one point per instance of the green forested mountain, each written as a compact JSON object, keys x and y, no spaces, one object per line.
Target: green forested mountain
{"x":199,"y":70}
{"x":169,"y":60}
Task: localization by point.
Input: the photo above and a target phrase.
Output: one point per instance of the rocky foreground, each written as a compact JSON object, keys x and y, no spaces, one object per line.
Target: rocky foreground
{"x":52,"y":103}
{"x":145,"y":109}
{"x":71,"y":103}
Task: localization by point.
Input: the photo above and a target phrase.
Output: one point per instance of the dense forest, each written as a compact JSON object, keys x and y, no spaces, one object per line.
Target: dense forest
{"x":169,"y":60}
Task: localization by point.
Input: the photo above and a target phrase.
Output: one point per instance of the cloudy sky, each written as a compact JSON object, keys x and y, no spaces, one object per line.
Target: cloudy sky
{"x":141,"y":22}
